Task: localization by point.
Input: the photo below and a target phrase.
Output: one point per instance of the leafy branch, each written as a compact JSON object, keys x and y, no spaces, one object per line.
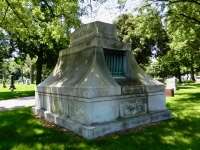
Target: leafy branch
{"x":4,"y":16}
{"x":15,"y":12}
{"x":49,"y":7}
{"x":189,"y":1}
{"x":191,"y":18}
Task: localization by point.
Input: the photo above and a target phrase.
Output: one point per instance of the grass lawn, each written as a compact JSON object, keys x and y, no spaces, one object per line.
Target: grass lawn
{"x":22,"y":90}
{"x":20,"y":130}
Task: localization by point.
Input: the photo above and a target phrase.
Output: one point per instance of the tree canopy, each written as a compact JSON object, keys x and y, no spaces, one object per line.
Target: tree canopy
{"x":39,"y":28}
{"x":147,"y":42}
{"x":180,"y":20}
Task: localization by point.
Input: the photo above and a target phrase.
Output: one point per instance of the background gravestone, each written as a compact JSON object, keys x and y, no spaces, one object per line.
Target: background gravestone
{"x":197,"y":78}
{"x":172,"y":83}
{"x":12,"y":87}
{"x":27,"y":81}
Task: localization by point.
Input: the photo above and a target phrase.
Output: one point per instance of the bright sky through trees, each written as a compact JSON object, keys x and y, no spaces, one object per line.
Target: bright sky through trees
{"x":107,"y":11}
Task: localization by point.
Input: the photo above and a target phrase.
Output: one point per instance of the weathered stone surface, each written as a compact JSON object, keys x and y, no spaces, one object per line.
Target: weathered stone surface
{"x":92,"y":30}
{"x":136,"y":73}
{"x":156,"y":101}
{"x":161,"y":115}
{"x":135,"y":89}
{"x":81,"y":78}
{"x":96,"y":130}
{"x":133,"y":106}
{"x":96,"y":42}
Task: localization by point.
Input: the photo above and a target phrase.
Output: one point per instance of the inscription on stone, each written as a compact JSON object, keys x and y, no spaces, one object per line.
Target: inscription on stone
{"x":133,"y":106}
{"x":82,"y":33}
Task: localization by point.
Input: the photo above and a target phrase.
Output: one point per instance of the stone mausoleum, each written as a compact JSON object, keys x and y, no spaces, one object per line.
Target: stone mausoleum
{"x":97,"y":87}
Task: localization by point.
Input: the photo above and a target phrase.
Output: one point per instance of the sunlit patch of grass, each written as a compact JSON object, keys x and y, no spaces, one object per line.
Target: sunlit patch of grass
{"x":22,"y":90}
{"x":38,"y":131}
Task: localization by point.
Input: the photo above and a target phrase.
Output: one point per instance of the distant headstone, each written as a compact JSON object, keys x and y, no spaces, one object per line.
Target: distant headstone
{"x":27,"y":81}
{"x":22,"y":79}
{"x":185,"y":77}
{"x":189,"y":76}
{"x":172,"y":83}
{"x":12,"y":87}
{"x":197,"y":78}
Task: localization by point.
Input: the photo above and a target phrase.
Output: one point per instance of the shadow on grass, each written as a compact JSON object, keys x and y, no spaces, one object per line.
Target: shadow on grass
{"x":189,"y":86}
{"x":189,"y":97}
{"x":185,"y":87}
{"x":5,"y":108}
{"x":15,"y":94}
{"x":26,"y":132}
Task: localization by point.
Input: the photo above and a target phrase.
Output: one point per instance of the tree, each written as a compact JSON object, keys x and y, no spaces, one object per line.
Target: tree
{"x":186,"y":44}
{"x":180,"y":19}
{"x":144,"y":41}
{"x":39,"y":28}
{"x":166,"y":66}
{"x":31,"y":64}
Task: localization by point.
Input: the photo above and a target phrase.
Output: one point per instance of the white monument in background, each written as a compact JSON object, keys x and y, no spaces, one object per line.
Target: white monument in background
{"x":172,"y":83}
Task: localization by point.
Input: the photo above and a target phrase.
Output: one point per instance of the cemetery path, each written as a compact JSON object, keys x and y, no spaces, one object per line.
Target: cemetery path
{"x":17,"y":103}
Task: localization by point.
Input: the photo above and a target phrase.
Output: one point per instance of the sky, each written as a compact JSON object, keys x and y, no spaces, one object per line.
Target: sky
{"x":108,"y":11}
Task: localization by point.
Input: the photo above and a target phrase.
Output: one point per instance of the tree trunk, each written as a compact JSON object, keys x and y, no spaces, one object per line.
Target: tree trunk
{"x":192,"y":73}
{"x":179,"y":74}
{"x":22,"y":76}
{"x":39,"y":67}
{"x":192,"y":68}
{"x":31,"y":74}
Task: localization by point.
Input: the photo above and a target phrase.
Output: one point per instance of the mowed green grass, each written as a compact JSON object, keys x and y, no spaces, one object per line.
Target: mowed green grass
{"x":22,"y":90}
{"x":21,"y":130}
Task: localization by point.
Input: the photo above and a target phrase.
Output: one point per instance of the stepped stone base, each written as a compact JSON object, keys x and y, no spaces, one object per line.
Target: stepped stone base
{"x":97,"y":130}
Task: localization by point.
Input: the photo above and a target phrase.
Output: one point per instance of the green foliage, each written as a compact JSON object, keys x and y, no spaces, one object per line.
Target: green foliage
{"x":184,"y":27}
{"x":180,"y":20}
{"x":5,"y":47}
{"x":165,"y":66}
{"x":10,"y":65}
{"x":39,"y":28}
{"x":43,"y":19}
{"x":145,"y":34}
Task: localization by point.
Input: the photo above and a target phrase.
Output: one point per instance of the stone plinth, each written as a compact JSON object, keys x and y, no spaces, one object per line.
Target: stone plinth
{"x":97,"y":87}
{"x":169,"y":92}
